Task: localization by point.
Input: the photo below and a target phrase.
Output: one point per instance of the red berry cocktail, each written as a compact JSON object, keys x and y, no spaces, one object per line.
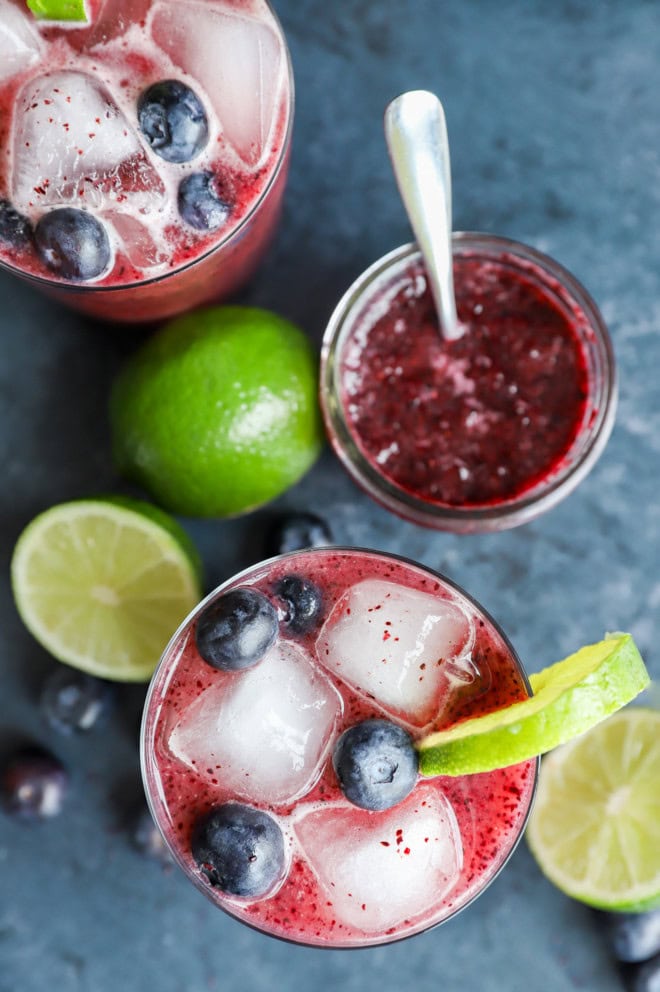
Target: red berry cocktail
{"x":485,"y":431}
{"x":279,"y":756}
{"x":143,"y":154}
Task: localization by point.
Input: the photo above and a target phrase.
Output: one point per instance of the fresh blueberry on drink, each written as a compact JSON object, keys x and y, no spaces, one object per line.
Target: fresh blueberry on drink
{"x":74,"y":701}
{"x":33,"y":784}
{"x":239,"y":850}
{"x":643,"y":976}
{"x":73,"y":244}
{"x":297,"y":531}
{"x":376,"y":764}
{"x":633,"y":936}
{"x":200,"y":204}
{"x":236,"y":630}
{"x":15,"y":229}
{"x":173,"y":120}
{"x":303,"y":601}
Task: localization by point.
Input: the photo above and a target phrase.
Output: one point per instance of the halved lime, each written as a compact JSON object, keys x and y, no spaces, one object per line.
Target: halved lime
{"x":102,"y":584}
{"x":58,"y":10}
{"x":595,"y":827}
{"x":568,"y":699}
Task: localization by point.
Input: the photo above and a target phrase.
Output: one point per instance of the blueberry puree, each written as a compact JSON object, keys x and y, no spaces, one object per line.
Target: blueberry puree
{"x":476,"y":421}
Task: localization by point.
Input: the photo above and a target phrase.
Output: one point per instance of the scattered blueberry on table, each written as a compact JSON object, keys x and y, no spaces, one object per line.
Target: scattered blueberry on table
{"x":297,"y":531}
{"x":33,"y":783}
{"x":74,"y":701}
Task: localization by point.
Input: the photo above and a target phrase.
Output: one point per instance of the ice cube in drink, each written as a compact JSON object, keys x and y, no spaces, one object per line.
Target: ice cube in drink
{"x":263,"y":741}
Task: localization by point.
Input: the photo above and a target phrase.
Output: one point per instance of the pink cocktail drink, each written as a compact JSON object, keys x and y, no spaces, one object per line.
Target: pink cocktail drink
{"x":358,"y":639}
{"x":144,"y":153}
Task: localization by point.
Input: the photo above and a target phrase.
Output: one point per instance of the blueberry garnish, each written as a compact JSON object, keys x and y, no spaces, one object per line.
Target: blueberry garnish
{"x":148,"y":839}
{"x":633,"y":936}
{"x":73,"y":243}
{"x":642,"y":977}
{"x":15,"y":229}
{"x":200,"y":204}
{"x":173,"y":120}
{"x":376,"y":764}
{"x":33,"y":784}
{"x":72,"y":700}
{"x":236,"y":630}
{"x":303,"y":602}
{"x":297,"y":531}
{"x":239,"y":850}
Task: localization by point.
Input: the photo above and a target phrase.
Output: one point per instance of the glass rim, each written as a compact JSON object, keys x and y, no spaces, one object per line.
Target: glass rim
{"x":78,"y":288}
{"x":475,"y":517}
{"x":146,"y":740}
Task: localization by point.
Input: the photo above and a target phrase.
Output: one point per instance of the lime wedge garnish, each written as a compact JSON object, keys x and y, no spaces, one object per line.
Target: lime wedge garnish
{"x":103,"y":584}
{"x":58,"y":10}
{"x":595,"y":826}
{"x":568,"y":699}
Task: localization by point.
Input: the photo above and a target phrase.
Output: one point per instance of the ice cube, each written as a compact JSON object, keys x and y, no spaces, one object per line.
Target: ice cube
{"x":20,"y":44}
{"x":72,"y":144}
{"x":380,"y":870}
{"x":266,"y":731}
{"x":114,"y":18}
{"x":398,"y":646}
{"x":237,"y":60}
{"x":142,"y":249}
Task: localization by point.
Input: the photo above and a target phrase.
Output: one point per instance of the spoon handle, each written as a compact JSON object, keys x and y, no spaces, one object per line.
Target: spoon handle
{"x":416,"y":135}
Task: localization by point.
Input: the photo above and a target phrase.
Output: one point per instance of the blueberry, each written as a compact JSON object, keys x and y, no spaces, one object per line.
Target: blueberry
{"x":173,"y":120}
{"x":15,"y":229}
{"x":239,"y":850}
{"x":33,"y":784}
{"x":72,"y":700}
{"x":296,"y":532}
{"x":633,"y":936}
{"x":304,"y":603}
{"x":200,"y":205}
{"x":376,"y":764}
{"x":148,"y":839}
{"x":236,"y":630}
{"x":73,"y":243}
{"x":642,"y":977}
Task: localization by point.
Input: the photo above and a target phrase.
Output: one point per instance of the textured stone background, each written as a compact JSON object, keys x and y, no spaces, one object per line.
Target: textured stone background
{"x":555,"y":130}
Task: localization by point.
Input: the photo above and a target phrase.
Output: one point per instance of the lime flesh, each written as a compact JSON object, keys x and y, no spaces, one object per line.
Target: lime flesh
{"x":102,"y":585}
{"x":595,"y":826}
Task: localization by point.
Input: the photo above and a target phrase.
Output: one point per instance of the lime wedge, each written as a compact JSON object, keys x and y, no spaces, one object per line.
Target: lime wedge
{"x":103,"y":584}
{"x":568,"y":699}
{"x":595,"y":826}
{"x":58,"y":10}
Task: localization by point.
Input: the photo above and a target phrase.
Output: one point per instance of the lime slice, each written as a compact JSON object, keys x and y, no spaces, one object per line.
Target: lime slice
{"x":58,"y":10}
{"x":102,"y":584}
{"x":569,"y":698}
{"x":595,"y":827}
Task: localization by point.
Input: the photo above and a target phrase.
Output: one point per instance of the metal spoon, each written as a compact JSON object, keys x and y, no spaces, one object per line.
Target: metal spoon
{"x":416,"y":136}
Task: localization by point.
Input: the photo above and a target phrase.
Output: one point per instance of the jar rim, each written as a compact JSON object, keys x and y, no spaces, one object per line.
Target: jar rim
{"x":548,"y":491}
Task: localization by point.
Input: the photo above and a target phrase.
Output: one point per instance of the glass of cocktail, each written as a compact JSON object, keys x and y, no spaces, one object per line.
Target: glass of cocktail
{"x":247,"y":736}
{"x":144,"y":153}
{"x":479,"y":433}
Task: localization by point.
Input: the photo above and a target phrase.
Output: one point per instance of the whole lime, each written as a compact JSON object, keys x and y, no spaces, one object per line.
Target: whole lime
{"x":217,"y":413}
